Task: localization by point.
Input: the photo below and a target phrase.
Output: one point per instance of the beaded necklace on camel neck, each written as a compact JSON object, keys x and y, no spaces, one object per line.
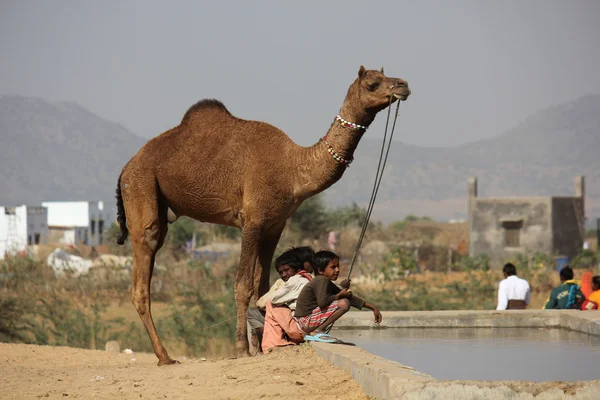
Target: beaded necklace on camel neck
{"x":348,"y":125}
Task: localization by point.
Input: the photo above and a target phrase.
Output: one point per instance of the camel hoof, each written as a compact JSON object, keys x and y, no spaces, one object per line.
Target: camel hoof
{"x":168,"y":361}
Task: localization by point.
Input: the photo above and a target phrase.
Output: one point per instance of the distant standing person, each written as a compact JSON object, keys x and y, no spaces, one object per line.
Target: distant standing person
{"x":513,"y":293}
{"x":593,"y":299}
{"x":332,"y":241}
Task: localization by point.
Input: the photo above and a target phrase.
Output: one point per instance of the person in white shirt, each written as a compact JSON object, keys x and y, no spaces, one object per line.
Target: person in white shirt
{"x":513,"y":292}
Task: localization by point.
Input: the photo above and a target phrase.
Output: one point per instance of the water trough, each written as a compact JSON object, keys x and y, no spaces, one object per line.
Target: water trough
{"x":488,"y":331}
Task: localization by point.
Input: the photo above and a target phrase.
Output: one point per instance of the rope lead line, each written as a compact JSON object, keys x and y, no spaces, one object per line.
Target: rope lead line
{"x":378,"y":177}
{"x":220,"y":323}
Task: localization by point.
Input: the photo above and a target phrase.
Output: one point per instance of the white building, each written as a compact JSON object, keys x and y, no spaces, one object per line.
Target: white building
{"x":75,"y":222}
{"x":22,"y":226}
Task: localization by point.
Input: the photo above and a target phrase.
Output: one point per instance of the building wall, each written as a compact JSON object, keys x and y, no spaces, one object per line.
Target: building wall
{"x":3,"y":231}
{"x":567,"y":216}
{"x":81,"y":235}
{"x":66,"y":222}
{"x":491,"y":217}
{"x":14,"y":230}
{"x":67,"y":213}
{"x":37,"y":225}
{"x":21,"y":224}
{"x":98,"y":223}
{"x":552,"y":225}
{"x":61,"y":235}
{"x":87,"y":220}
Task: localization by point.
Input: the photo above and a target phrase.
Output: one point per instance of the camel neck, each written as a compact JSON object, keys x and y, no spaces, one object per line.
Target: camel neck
{"x":343,"y":139}
{"x":318,"y":169}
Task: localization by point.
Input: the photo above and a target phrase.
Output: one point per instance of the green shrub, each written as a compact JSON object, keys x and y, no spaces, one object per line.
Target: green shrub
{"x":585,"y":259}
{"x":476,"y":263}
{"x":203,"y":302}
{"x":476,"y":293}
{"x":397,"y":263}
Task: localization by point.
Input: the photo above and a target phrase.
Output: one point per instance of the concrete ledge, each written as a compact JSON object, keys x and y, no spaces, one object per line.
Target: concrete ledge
{"x":385,"y":379}
{"x":582,"y":321}
{"x":377,"y":376}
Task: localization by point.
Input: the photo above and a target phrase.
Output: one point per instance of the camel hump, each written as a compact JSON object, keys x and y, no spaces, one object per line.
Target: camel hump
{"x":205,"y":105}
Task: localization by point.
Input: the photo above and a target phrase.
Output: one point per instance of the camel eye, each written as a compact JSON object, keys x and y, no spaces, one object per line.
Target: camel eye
{"x":373,"y":86}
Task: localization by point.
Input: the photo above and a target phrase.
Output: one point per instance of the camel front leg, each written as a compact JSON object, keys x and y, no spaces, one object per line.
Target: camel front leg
{"x":265,"y":257}
{"x":244,"y":284}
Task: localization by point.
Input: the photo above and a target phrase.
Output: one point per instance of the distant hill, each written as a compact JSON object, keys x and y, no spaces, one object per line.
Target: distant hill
{"x":60,"y":151}
{"x":539,"y":157}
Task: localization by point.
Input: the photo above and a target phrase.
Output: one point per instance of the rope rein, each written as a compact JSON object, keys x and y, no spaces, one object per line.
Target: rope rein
{"x":378,"y":177}
{"x":220,"y":323}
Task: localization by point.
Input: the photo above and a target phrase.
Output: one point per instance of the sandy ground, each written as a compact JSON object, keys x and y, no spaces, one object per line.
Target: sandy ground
{"x":32,"y":372}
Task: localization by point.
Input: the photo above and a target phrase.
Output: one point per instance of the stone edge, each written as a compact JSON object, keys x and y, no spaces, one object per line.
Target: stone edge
{"x":385,"y":379}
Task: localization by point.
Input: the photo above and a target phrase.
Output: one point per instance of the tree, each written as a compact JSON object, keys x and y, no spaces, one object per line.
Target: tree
{"x":110,"y":238}
{"x":311,"y":217}
{"x":180,"y":232}
{"x":344,"y":216}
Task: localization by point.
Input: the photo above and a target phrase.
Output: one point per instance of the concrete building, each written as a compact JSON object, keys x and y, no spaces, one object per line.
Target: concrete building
{"x":504,"y":226}
{"x":22,"y":226}
{"x":78,"y":222}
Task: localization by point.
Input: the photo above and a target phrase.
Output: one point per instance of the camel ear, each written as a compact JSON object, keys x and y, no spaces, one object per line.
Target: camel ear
{"x":361,"y":71}
{"x":381,"y":70}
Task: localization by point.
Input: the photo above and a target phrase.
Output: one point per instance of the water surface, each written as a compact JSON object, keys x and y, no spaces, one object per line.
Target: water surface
{"x":529,"y":354}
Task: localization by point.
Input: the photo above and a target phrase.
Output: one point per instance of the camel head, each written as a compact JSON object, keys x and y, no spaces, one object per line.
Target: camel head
{"x":373,"y":90}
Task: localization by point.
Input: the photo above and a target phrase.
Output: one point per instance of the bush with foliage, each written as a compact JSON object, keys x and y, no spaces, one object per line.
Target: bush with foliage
{"x":477,"y":292}
{"x":476,"y":263}
{"x":313,"y":218}
{"x":586,"y":258}
{"x":203,"y":301}
{"x":400,"y":225}
{"x":396,"y":264}
{"x":41,"y":309}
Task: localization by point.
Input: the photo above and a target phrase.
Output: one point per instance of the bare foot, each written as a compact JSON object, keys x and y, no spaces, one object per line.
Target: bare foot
{"x":280,"y":347}
{"x":168,"y":361}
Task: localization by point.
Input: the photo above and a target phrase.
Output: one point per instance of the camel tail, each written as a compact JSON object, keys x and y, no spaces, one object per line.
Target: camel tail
{"x":121,"y":219}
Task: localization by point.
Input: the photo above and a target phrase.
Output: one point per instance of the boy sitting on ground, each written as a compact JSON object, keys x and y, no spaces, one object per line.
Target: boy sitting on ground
{"x":321,"y":302}
{"x":256,"y":315}
{"x":306,"y":255}
{"x":280,"y":327}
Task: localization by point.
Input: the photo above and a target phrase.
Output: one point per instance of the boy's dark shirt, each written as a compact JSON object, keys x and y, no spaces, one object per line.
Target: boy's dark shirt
{"x":320,"y":292}
{"x":560,"y":295}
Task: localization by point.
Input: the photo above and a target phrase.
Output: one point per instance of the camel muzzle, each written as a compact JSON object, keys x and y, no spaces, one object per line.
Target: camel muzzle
{"x":403,"y":90}
{"x":402,"y":96}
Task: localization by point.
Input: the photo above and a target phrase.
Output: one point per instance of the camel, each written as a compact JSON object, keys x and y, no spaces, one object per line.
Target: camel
{"x":217,"y":168}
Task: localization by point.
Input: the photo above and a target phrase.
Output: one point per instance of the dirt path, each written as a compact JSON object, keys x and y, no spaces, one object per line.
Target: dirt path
{"x":32,"y":372}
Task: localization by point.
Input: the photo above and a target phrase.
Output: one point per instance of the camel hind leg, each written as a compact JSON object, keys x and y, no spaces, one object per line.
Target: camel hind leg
{"x":147,"y":221}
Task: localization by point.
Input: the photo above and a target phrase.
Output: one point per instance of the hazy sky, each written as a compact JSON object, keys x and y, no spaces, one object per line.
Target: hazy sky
{"x":475,"y":67}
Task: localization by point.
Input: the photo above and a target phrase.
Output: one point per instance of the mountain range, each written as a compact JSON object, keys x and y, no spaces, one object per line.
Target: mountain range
{"x":540,"y":156}
{"x":61,"y":151}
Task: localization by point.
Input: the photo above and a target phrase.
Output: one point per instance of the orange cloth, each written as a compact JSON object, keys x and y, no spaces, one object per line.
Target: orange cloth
{"x":279,"y":322}
{"x":586,"y":284}
{"x":595,"y":297}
